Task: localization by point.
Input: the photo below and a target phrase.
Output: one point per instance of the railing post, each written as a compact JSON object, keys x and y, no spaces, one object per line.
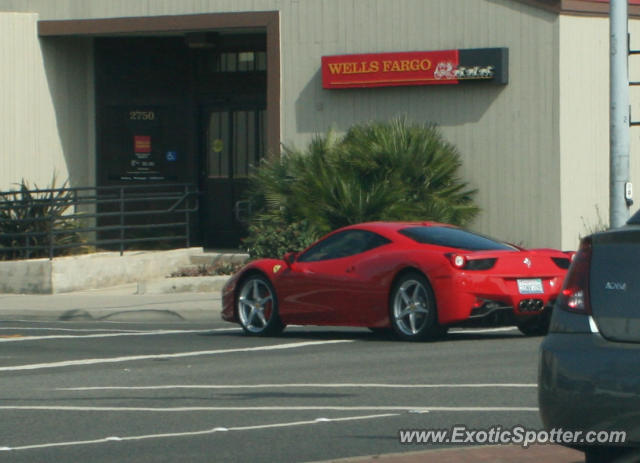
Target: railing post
{"x":149,"y":215}
{"x":51,"y":225}
{"x":186,"y":215}
{"x":27,"y":240}
{"x":121,"y":221}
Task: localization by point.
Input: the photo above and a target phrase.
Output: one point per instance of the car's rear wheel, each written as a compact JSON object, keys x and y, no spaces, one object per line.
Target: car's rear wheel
{"x":536,"y":326}
{"x":413,"y":309}
{"x":257,"y":306}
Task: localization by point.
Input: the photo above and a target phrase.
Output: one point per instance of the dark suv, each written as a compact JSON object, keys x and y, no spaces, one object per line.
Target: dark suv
{"x":589,"y":374}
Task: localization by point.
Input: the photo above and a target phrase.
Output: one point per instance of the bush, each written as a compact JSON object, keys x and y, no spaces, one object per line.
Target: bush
{"x":225,"y":268}
{"x":42,"y":213}
{"x":377,"y":171}
{"x":274,"y":237}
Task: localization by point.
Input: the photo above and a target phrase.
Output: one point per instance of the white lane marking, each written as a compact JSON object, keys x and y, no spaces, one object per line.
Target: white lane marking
{"x":79,"y":330}
{"x":453,"y":331}
{"x":298,"y":385}
{"x":95,"y":361}
{"x":268,"y":408}
{"x":195,"y":433}
{"x":66,"y":322}
{"x":483,"y":330}
{"x":112,"y":335}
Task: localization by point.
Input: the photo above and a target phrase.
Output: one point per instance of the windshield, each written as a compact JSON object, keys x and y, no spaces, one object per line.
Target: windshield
{"x":454,"y":238}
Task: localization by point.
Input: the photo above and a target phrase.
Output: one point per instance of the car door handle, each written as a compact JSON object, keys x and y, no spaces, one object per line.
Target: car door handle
{"x":350,"y":269}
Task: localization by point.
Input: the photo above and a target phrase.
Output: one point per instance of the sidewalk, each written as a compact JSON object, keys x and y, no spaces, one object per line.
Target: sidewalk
{"x":120,"y":303}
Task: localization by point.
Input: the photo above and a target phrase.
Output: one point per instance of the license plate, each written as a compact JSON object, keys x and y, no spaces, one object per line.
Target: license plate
{"x":530,"y":286}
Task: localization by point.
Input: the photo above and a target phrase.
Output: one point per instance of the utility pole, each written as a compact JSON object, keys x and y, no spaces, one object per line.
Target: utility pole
{"x":619,"y":185}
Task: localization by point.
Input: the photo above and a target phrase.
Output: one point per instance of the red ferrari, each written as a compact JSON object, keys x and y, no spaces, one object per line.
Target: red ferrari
{"x":414,"y":278}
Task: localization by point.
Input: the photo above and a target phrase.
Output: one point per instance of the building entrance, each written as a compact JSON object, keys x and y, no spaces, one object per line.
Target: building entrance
{"x":188,"y":109}
{"x":234,"y":142}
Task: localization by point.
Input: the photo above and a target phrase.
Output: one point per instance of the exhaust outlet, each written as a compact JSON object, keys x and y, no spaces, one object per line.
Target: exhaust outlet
{"x":531,"y":305}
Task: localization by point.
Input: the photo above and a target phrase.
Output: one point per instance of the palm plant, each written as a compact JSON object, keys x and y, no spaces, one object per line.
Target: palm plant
{"x":417,"y":160}
{"x":377,"y":171}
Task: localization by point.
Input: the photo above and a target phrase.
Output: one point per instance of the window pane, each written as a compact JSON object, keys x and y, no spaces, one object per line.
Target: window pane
{"x":261,"y":61}
{"x":241,"y":151}
{"x":218,"y":145}
{"x":453,"y":238}
{"x":246,"y":60}
{"x":261,"y":151}
{"x":343,"y":244}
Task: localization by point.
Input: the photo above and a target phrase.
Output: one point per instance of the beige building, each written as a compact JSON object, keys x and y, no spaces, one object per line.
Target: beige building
{"x":201,"y":89}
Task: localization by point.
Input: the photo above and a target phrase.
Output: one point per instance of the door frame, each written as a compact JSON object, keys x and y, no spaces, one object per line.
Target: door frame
{"x":204,"y":111}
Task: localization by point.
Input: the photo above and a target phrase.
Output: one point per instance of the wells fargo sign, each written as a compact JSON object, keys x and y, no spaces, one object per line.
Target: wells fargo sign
{"x":444,"y":67}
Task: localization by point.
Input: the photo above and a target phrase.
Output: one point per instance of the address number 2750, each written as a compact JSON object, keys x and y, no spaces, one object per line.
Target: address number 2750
{"x":142,"y":115}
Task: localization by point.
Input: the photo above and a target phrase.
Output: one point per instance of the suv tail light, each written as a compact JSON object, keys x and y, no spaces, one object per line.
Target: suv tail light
{"x":574,"y":296}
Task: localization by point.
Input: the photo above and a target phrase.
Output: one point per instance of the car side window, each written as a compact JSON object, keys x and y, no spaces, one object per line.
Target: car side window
{"x":343,"y":244}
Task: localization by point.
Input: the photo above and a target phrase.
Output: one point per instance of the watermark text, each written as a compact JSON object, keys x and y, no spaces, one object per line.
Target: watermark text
{"x":519,"y":435}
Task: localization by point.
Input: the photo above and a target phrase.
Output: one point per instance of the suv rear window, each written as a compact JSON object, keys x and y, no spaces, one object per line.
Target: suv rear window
{"x":635,"y":219}
{"x":454,"y":238}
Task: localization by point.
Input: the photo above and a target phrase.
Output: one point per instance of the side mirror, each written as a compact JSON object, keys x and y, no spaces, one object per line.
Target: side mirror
{"x":290,"y":258}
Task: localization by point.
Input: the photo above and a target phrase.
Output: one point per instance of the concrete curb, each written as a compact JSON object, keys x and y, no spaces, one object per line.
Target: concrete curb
{"x":183,"y":285}
{"x":146,"y":269}
{"x":89,"y":271}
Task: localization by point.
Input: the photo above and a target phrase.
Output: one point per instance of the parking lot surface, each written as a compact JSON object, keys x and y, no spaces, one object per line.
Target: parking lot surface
{"x":175,"y":390}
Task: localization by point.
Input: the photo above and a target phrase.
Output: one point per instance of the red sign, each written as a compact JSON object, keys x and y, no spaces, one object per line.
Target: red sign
{"x":141,"y":144}
{"x":390,"y":69}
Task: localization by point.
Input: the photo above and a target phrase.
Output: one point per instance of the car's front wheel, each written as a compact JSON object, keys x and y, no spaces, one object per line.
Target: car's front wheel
{"x":257,"y":306}
{"x":413,"y":309}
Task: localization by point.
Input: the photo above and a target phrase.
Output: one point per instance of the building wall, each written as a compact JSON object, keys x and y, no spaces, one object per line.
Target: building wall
{"x":507,"y":135}
{"x":44,"y":93}
{"x":584,"y":124}
{"x":29,"y":124}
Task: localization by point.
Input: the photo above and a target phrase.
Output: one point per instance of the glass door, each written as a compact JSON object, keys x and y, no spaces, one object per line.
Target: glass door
{"x":234,"y":142}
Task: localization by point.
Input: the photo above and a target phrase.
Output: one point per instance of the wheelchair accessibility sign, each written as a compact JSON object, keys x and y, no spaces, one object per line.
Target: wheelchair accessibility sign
{"x":172,"y":156}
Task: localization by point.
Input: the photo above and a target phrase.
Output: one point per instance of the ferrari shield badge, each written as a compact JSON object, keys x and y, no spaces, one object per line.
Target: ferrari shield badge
{"x":276,"y":268}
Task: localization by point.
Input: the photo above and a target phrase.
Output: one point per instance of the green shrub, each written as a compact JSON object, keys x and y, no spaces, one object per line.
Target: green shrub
{"x":28,"y":210}
{"x":273,"y":237}
{"x":224,"y":268}
{"x":377,"y":171}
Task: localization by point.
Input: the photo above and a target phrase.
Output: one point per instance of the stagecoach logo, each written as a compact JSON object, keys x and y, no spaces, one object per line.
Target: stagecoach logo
{"x":527,"y":262}
{"x":451,"y":71}
{"x":276,"y":268}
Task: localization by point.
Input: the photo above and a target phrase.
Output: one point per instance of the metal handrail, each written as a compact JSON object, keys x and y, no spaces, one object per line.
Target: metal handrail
{"x":167,"y":207}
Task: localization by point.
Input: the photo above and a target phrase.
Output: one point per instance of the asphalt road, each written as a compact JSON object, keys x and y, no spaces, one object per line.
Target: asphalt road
{"x":181,"y":391}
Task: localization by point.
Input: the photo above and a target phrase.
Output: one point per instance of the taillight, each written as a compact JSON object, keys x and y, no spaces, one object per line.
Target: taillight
{"x":457,"y":260}
{"x":574,"y":296}
{"x":464,"y":263}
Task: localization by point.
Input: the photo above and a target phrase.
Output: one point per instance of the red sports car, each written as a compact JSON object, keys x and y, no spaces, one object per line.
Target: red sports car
{"x":415,"y":278}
